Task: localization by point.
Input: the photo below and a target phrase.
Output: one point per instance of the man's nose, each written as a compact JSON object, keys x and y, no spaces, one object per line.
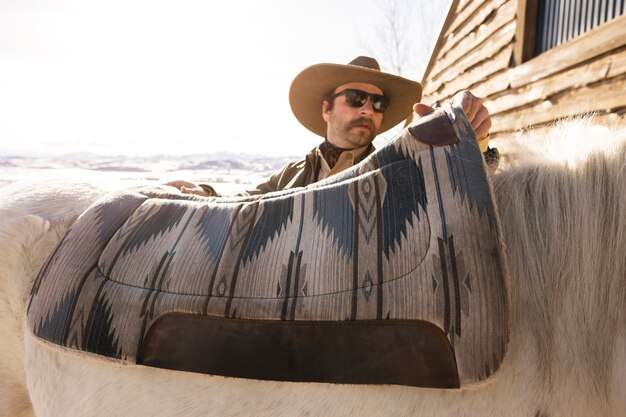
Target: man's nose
{"x":367,"y":108}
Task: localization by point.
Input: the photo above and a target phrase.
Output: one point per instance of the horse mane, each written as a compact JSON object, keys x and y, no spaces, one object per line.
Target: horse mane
{"x":562,"y":202}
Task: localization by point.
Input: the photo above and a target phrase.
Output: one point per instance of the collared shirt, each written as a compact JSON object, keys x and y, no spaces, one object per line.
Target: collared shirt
{"x":347,"y":159}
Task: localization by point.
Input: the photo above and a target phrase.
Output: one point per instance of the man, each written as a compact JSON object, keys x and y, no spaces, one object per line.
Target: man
{"x":349,"y":105}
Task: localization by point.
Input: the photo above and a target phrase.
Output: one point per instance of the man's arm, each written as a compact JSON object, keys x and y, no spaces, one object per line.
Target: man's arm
{"x":186,"y":187}
{"x":206,"y":190}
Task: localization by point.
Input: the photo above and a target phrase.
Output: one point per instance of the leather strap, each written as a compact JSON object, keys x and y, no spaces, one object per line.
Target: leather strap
{"x":434,"y":129}
{"x":415,"y":353}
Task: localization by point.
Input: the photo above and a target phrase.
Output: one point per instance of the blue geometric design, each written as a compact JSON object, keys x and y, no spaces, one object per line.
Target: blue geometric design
{"x":213,"y":227}
{"x":465,"y":178}
{"x":101,"y":331}
{"x":389,"y":154}
{"x":167,"y":216}
{"x":53,"y":328}
{"x":117,"y":212}
{"x":405,"y":193}
{"x":334,"y":211}
{"x":275,"y":216}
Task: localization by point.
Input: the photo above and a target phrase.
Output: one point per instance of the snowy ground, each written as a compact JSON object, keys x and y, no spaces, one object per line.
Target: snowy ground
{"x":227,"y":173}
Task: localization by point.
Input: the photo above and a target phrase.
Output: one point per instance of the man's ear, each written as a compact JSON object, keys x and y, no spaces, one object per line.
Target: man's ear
{"x":325,"y":111}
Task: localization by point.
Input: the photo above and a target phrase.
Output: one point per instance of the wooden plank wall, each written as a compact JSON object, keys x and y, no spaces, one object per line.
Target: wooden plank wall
{"x":477,"y":51}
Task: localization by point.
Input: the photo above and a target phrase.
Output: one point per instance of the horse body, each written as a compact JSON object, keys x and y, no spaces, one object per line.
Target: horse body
{"x":565,"y":227}
{"x":34,"y":217}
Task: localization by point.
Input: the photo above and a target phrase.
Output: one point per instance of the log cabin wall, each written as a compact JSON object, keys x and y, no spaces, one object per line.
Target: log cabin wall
{"x":488,"y":46}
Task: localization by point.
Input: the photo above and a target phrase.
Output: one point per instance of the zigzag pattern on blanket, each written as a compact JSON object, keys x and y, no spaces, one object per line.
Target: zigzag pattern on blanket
{"x":393,"y":238}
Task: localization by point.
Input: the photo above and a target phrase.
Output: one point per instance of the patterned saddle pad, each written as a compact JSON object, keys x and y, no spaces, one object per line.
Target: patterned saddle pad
{"x":389,"y":273}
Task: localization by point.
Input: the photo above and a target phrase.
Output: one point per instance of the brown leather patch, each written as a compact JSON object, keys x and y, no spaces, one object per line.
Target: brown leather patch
{"x":433,"y":129}
{"x":415,"y":353}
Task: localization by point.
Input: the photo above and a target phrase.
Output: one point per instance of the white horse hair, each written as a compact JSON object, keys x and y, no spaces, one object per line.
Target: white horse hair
{"x":562,"y":202}
{"x":34,"y":216}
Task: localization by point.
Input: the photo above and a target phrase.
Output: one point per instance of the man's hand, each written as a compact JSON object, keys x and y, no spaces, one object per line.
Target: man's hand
{"x":475,"y":111}
{"x":188,"y":188}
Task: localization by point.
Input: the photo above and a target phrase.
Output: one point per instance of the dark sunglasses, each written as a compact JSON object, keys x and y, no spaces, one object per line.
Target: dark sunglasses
{"x":358,"y":98}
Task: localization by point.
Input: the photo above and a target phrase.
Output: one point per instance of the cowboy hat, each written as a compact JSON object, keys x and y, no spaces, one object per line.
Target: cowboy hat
{"x":310,"y":87}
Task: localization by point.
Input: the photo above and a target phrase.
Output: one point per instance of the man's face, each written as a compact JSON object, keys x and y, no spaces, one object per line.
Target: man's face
{"x":352,"y":127}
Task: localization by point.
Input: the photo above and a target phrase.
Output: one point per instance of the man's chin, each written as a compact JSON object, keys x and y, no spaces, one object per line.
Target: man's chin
{"x":362,"y":140}
{"x":364,"y":132}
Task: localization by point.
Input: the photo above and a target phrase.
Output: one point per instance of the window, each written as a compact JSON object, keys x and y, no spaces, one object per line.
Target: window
{"x":561,"y":20}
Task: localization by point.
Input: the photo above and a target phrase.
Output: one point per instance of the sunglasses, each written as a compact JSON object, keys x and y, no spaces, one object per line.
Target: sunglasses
{"x":358,"y":98}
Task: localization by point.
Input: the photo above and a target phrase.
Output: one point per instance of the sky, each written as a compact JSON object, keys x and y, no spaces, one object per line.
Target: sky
{"x":142,"y":77}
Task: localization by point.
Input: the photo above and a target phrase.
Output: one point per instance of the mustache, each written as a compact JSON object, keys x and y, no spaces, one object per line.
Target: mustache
{"x":362,"y":120}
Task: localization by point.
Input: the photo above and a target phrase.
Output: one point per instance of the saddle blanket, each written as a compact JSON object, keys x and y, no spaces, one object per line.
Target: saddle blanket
{"x":391,"y":272}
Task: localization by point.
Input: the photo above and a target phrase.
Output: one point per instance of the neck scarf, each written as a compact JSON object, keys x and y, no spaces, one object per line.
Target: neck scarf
{"x":330,"y":152}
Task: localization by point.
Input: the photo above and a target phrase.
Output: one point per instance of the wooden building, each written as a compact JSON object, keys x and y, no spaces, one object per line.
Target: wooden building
{"x":533,"y":61}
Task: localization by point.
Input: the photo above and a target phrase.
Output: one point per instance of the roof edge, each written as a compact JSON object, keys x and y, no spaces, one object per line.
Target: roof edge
{"x":445,"y":25}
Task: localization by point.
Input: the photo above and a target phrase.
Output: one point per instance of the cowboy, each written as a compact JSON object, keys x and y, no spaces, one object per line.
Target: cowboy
{"x":348,"y":105}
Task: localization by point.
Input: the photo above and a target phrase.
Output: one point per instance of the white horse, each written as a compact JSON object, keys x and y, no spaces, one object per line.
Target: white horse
{"x":562,"y":202}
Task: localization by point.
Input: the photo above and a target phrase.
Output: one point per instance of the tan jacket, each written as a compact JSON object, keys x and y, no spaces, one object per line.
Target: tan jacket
{"x":298,"y":173}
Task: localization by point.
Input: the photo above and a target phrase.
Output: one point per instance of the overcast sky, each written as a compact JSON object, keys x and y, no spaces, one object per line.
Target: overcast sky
{"x":185,"y":76}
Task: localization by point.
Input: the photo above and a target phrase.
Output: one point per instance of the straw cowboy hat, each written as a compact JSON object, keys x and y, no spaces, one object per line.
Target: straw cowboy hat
{"x":309,"y":88}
